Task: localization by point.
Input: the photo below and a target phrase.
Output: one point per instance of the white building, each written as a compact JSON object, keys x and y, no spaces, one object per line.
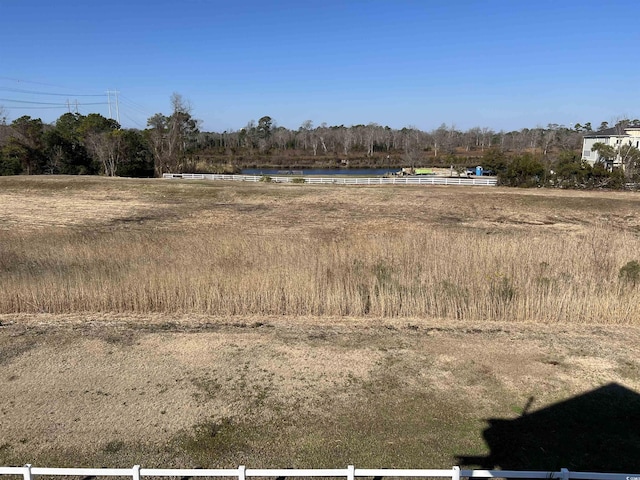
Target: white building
{"x":616,"y":137}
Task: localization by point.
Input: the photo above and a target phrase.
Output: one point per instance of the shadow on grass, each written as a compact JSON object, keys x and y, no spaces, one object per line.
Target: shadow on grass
{"x":596,"y":431}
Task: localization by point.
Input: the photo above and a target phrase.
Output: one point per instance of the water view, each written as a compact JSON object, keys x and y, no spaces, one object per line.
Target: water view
{"x":371,"y":172}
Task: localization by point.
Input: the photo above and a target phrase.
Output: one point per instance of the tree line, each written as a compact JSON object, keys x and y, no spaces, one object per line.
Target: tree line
{"x":93,"y":144}
{"x":74,"y":145}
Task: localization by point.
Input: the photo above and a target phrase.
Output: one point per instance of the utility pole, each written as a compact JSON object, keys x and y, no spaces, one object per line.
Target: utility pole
{"x":109,"y":101}
{"x":115,"y":92}
{"x":117,"y":107}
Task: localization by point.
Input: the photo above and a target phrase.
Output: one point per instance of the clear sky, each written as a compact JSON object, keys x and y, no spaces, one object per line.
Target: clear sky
{"x":499,"y":64}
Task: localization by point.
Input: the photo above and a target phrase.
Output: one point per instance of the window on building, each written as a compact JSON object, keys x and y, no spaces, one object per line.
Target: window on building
{"x":586,"y":153}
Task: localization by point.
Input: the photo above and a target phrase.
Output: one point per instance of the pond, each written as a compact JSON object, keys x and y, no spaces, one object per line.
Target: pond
{"x":365,"y":172}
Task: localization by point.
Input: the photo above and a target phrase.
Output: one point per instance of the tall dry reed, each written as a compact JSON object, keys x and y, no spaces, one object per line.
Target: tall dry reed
{"x":430,"y":272}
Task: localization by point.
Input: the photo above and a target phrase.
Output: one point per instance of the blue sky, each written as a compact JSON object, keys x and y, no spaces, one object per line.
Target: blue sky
{"x":500,"y":64}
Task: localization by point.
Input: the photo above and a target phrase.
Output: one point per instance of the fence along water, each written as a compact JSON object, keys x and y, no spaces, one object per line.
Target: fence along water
{"x":417,"y":180}
{"x":28,"y":472}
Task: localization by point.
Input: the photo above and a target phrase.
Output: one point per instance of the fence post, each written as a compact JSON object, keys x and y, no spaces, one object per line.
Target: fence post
{"x":455,"y":474}
{"x":27,"y":472}
{"x":136,"y":472}
{"x":351,"y":472}
{"x":242,"y":472}
{"x":565,"y":473}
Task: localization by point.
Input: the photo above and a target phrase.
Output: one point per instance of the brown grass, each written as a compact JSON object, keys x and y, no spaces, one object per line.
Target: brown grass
{"x":205,"y":324}
{"x":99,"y":245}
{"x":115,"y":390}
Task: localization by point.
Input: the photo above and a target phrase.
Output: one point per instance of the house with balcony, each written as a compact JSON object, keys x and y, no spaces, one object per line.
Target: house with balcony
{"x":616,"y":137}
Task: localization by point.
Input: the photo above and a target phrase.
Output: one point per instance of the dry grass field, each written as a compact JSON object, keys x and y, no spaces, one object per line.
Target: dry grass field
{"x":206,"y":324}
{"x":97,"y":245}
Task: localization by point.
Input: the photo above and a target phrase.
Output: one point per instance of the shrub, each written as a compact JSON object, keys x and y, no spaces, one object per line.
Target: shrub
{"x":9,"y":165}
{"x":523,"y":171}
{"x":502,"y":289}
{"x":630,"y":273}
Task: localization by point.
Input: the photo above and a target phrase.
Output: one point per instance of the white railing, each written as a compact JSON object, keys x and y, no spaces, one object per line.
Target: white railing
{"x":349,"y":473}
{"x":411,"y":180}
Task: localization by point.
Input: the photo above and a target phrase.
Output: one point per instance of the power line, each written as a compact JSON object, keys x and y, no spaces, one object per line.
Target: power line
{"x":22,"y":80}
{"x":35,"y":92}
{"x":21,"y":107}
{"x":140,"y":125}
{"x":38,"y":92}
{"x":132,"y":110}
{"x":133,"y":106}
{"x":45,"y":103}
{"x":27,"y":101}
{"x":139,"y":106}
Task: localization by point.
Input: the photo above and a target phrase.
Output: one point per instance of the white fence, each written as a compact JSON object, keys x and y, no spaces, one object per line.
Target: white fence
{"x":349,"y":473}
{"x":411,"y":180}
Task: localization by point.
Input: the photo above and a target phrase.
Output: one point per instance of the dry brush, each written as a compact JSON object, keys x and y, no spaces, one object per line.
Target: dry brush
{"x":429,"y":271}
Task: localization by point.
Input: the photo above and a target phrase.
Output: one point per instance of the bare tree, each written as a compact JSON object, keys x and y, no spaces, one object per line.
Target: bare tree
{"x":487,"y":135}
{"x":440,"y":138}
{"x":471,"y":138}
{"x":281,"y":137}
{"x":172,"y":137}
{"x":549,"y":137}
{"x":347,"y":140}
{"x":371,"y":136}
{"x":54,"y":159}
{"x":630,"y":158}
{"x":411,"y":145}
{"x":107,"y":147}
{"x":321,"y":132}
{"x":304,"y":133}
